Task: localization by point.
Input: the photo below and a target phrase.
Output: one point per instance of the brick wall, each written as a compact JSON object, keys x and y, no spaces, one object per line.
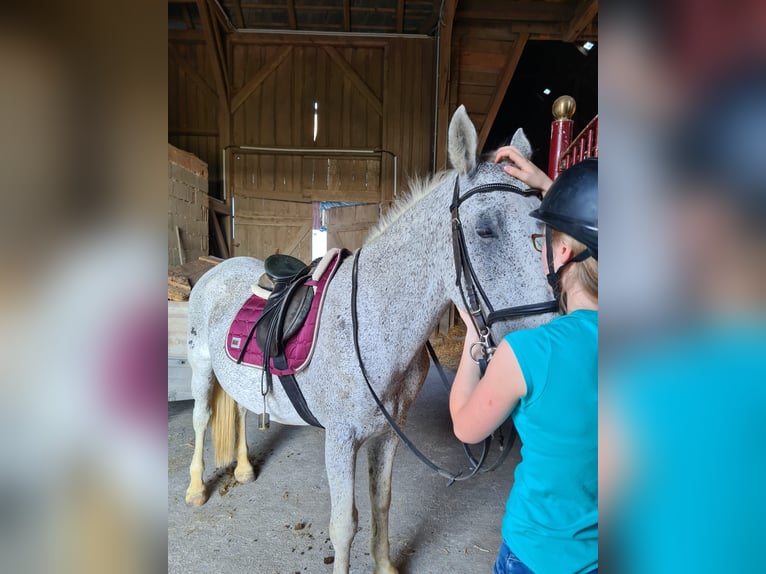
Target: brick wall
{"x":187,"y":206}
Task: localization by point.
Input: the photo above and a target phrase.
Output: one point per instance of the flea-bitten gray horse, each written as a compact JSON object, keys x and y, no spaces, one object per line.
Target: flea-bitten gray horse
{"x":406,"y":280}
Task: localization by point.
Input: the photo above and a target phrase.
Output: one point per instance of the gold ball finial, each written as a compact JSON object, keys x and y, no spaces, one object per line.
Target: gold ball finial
{"x":563,"y":108}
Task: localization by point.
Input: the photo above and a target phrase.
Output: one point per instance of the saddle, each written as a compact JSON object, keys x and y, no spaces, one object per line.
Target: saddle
{"x":282,"y":316}
{"x":287,"y":305}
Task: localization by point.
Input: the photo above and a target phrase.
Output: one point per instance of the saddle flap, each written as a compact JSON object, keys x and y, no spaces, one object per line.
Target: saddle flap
{"x":287,"y":315}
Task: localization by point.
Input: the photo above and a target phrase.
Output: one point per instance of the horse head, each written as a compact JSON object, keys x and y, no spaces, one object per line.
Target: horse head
{"x":497,"y":229}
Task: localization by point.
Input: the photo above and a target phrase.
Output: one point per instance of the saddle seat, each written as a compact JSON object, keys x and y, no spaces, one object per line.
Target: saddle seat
{"x":288,"y":302}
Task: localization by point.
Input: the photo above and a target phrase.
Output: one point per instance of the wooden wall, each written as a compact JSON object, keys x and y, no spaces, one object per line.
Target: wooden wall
{"x":371,"y":94}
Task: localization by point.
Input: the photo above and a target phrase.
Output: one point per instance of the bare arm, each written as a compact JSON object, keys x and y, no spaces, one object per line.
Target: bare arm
{"x":479,"y":405}
{"x":523,"y":169}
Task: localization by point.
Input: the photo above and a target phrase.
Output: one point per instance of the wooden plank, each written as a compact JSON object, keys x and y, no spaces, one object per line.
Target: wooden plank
{"x":220,"y":238}
{"x":346,"y":15}
{"x":247,"y":90}
{"x":291,"y":19}
{"x":187,"y":17}
{"x":184,"y":131}
{"x":212,"y":49}
{"x":355,"y":78}
{"x":502,"y":87}
{"x":303,"y":39}
{"x":584,"y":14}
{"x":400,"y":16}
{"x":501,"y":10}
{"x":239,"y":15}
{"x":446,"y":79}
{"x":190,"y":71}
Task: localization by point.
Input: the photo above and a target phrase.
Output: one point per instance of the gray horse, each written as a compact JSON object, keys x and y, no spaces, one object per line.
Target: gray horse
{"x":406,"y":281}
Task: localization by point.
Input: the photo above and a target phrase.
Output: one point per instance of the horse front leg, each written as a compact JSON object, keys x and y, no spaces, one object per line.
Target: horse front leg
{"x":380,"y":463}
{"x":243,"y":472}
{"x":340,"y":458}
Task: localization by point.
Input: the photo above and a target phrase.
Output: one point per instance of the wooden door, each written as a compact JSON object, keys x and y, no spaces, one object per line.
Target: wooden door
{"x":263,"y":227}
{"x":350,"y":225}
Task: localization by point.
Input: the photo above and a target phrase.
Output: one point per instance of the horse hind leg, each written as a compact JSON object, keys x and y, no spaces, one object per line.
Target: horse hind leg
{"x":340,"y":456}
{"x":202,"y":387}
{"x":243,"y":472}
{"x":207,"y":392}
{"x":380,"y":461}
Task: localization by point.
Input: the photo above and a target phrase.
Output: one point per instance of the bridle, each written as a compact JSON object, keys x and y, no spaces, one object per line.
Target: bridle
{"x":463,"y":268}
{"x":473,"y":289}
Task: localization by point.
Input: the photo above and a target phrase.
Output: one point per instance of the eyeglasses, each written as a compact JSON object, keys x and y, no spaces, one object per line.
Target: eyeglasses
{"x":538,"y":239}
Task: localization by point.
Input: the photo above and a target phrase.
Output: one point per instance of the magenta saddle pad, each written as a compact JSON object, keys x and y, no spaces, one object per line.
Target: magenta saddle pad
{"x":299,"y":349}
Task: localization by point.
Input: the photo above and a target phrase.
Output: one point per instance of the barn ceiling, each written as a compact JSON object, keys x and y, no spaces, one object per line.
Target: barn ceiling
{"x":567,"y":20}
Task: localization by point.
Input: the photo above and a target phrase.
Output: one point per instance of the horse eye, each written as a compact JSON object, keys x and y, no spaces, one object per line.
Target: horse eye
{"x":485,"y":231}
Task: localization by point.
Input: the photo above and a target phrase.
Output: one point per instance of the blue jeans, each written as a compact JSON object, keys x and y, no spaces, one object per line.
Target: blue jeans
{"x":508,"y":563}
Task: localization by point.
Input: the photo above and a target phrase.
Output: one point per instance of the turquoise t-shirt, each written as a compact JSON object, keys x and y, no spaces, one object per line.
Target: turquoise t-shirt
{"x":691,"y":405}
{"x":551,"y":518}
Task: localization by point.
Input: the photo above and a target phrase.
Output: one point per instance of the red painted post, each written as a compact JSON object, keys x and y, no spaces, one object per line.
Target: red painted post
{"x":561,"y":132}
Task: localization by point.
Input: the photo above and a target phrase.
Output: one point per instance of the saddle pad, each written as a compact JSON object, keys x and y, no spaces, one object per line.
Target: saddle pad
{"x":299,"y":349}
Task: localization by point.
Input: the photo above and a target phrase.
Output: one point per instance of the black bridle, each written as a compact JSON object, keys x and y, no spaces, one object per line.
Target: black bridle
{"x":463,"y":268}
{"x":473,"y":289}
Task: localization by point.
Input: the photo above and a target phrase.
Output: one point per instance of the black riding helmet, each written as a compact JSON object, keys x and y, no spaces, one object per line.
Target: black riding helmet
{"x":571,"y":206}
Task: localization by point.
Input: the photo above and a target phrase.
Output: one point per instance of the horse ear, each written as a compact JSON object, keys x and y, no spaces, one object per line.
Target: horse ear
{"x":521,"y":143}
{"x":462,"y":142}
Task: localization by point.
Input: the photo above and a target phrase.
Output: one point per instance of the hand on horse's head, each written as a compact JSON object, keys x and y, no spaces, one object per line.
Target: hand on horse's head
{"x":522,"y":169}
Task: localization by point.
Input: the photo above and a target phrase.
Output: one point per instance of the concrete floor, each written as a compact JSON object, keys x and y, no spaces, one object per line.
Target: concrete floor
{"x":279,"y":523}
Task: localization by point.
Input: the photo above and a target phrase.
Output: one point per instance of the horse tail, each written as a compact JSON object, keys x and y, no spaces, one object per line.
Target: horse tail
{"x":223,"y":422}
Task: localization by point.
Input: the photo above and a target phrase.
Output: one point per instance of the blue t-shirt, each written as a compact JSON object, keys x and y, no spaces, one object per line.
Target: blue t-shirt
{"x":551,"y":518}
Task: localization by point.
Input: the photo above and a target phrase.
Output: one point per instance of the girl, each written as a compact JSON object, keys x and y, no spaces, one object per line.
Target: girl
{"x":546,"y":379}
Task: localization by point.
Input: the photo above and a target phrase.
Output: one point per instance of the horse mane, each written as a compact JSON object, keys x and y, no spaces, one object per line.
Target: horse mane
{"x":419,"y":187}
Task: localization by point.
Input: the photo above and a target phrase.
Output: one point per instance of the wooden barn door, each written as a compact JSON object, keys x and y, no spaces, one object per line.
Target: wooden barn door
{"x":349,"y":226}
{"x":263,"y":227}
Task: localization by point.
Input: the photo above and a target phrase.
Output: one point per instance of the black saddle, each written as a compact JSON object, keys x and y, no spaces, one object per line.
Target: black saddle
{"x":286,"y":308}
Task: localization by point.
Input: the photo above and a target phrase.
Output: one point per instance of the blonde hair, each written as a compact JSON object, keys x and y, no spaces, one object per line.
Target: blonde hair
{"x":583,"y":273}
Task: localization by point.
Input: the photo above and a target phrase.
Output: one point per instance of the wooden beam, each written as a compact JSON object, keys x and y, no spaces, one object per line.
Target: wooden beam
{"x":187,"y":36}
{"x":220,"y":238}
{"x":502,"y":87}
{"x":400,"y":16}
{"x":239,"y":15}
{"x":216,"y":57}
{"x":584,"y":14}
{"x":247,"y":90}
{"x":521,"y":10}
{"x":446,"y":77}
{"x":291,"y":14}
{"x":187,"y":17}
{"x":356,"y":80}
{"x":184,"y":131}
{"x":190,"y":71}
{"x":346,"y":15}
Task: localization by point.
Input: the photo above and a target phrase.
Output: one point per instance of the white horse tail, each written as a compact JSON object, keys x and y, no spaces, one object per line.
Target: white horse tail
{"x":223,"y":421}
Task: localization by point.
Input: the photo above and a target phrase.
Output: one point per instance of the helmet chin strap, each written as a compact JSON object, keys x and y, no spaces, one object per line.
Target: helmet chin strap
{"x":554,"y":276}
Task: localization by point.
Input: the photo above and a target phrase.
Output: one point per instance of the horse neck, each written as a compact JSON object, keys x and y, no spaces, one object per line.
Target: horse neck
{"x":402,"y":274}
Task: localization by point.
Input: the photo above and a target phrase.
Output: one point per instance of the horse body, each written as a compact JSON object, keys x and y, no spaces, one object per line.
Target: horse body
{"x":406,"y":280}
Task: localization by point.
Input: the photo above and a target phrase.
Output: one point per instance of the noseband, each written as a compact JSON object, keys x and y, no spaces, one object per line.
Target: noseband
{"x":473,"y":289}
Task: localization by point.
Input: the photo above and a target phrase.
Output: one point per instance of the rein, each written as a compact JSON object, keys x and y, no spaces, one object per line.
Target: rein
{"x":482,"y":323}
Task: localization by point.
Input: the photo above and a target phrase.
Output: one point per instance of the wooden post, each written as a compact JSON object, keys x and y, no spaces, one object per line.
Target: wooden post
{"x":561,"y":132}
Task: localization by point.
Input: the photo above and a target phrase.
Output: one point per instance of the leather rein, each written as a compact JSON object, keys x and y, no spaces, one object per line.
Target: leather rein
{"x":463,"y":268}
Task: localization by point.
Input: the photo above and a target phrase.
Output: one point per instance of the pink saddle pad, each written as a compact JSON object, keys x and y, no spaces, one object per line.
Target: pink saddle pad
{"x":299,"y":349}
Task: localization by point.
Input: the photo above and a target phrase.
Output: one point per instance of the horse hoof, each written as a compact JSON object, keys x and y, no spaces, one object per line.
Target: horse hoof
{"x":195,"y":499}
{"x":244,"y":476}
{"x":387,"y":570}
